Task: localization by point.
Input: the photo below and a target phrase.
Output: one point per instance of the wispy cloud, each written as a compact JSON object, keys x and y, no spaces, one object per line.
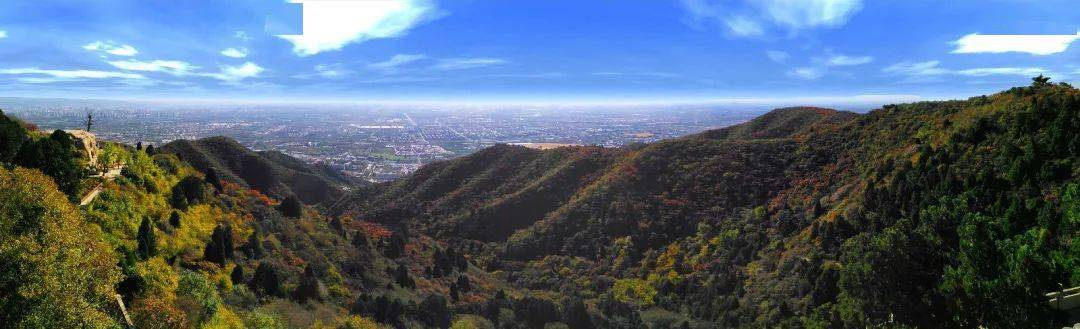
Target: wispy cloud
{"x":777,"y":56}
{"x":1017,"y":71}
{"x":235,"y":52}
{"x":394,"y":63}
{"x":752,"y":18}
{"x":331,"y":25}
{"x":333,"y":71}
{"x":807,"y":73}
{"x":236,"y":73}
{"x":803,"y":14}
{"x":743,"y":26}
{"x":467,"y":63}
{"x":3,"y":34}
{"x":1031,"y":44}
{"x":177,"y":68}
{"x":39,"y":76}
{"x":927,"y":68}
{"x":842,"y":60}
{"x":113,"y":48}
{"x":921,"y":71}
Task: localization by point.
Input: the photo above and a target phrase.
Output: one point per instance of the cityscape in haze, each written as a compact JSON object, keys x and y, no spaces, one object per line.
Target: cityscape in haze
{"x":375,"y":143}
{"x":539,"y":164}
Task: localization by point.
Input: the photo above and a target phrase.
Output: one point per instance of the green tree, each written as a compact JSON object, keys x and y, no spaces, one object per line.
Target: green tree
{"x":12,"y":136}
{"x":55,"y":157}
{"x":147,"y":239}
{"x":55,"y":269}
{"x":291,"y":207}
{"x":220,"y":247}
{"x":174,"y":219}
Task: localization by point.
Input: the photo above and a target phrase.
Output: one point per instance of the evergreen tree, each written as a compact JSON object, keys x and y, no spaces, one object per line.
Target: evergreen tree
{"x":150,"y":149}
{"x":310,"y":287}
{"x":291,"y":207}
{"x":177,"y":200}
{"x":454,"y":294}
{"x":576,"y":315}
{"x":395,"y":245}
{"x":213,"y":179}
{"x":402,"y":278}
{"x":147,"y":239}
{"x":337,"y":225}
{"x":55,"y":156}
{"x":267,"y":280}
{"x":174,"y":219}
{"x":220,"y":247}
{"x":360,"y":240}
{"x":12,"y":136}
{"x":237,"y":274}
{"x":254,"y":244}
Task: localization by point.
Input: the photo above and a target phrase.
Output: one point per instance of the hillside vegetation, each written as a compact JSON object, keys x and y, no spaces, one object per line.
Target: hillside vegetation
{"x":270,"y":172}
{"x":956,"y":214}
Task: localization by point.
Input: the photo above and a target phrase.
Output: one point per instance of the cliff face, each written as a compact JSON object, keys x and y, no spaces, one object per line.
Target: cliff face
{"x":87,"y":143}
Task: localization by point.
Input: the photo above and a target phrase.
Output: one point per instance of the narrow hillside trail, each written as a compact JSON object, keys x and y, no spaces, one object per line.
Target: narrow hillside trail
{"x":108,"y":176}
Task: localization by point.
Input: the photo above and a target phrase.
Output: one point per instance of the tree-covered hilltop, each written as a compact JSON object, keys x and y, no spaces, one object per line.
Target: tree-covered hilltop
{"x":270,"y":172}
{"x":932,"y":214}
{"x":957,"y":214}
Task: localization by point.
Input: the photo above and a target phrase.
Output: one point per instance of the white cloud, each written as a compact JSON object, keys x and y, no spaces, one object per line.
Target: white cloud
{"x":331,"y":25}
{"x":391,"y":65}
{"x":752,"y":18}
{"x":744,"y":26}
{"x":1020,"y":71}
{"x":237,"y":73}
{"x":242,"y":36}
{"x":176,"y":68}
{"x":467,"y":63}
{"x":841,"y":60}
{"x":3,"y":34}
{"x":777,"y":56}
{"x":332,"y":71}
{"x":111,"y":48}
{"x":47,"y":76}
{"x":917,"y":70}
{"x":808,"y":73}
{"x":1032,"y":44}
{"x":927,"y":68}
{"x":235,"y":52}
{"x":801,"y":14}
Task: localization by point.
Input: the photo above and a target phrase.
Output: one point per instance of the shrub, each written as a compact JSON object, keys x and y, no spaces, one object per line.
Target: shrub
{"x":196,"y":286}
{"x":57,"y":271}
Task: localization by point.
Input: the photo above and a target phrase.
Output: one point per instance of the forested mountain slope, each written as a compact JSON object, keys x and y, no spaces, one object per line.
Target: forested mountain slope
{"x":934,"y":214}
{"x":957,"y":214}
{"x":269,"y":172}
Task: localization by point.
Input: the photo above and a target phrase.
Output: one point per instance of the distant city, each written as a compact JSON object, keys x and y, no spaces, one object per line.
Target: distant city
{"x":374,"y":143}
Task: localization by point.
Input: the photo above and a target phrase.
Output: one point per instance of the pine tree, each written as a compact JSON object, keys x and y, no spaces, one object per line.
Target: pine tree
{"x":254,"y":244}
{"x":291,"y":207}
{"x":220,"y":247}
{"x":267,"y":279}
{"x":401,"y":277}
{"x":174,"y":219}
{"x":147,"y":239}
{"x":237,"y":275}
{"x":177,"y":200}
{"x":213,"y":179}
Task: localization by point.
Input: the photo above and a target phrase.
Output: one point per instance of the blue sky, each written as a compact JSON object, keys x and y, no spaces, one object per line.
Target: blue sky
{"x":534,"y":51}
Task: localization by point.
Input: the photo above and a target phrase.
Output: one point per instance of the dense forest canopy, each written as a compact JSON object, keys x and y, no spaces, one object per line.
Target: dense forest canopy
{"x":955,"y":214}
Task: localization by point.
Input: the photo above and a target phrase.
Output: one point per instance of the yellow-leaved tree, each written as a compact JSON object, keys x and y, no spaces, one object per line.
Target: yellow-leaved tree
{"x":55,"y":269}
